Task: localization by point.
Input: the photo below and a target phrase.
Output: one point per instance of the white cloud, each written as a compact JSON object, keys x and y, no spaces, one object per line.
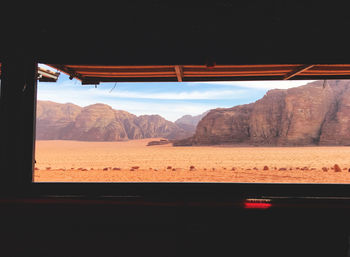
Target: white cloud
{"x":266,"y":84}
{"x":106,"y":92}
{"x":192,"y":95}
{"x":169,"y":110}
{"x":67,"y":96}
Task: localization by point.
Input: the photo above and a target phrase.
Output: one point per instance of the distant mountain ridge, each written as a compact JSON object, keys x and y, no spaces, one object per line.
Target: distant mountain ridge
{"x":99,"y":122}
{"x":314,"y":114}
{"x":189,"y":122}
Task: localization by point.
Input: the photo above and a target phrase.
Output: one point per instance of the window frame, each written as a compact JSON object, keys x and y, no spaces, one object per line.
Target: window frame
{"x":23,"y":181}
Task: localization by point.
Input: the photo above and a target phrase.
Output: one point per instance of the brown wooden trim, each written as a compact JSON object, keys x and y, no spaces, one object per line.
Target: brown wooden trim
{"x":298,"y":71}
{"x":179,"y":72}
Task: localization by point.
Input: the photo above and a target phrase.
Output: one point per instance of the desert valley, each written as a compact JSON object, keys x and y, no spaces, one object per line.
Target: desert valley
{"x":134,"y":161}
{"x":298,"y":135}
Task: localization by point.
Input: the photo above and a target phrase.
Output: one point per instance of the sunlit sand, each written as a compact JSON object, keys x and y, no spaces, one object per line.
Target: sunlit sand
{"x":133,"y":161}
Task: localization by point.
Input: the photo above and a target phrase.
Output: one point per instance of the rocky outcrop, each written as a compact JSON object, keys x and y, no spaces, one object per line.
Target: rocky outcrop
{"x":52,"y":118}
{"x":315,"y":114}
{"x":96,"y":123}
{"x":221,"y":126}
{"x":159,"y":142}
{"x":99,"y":122}
{"x":336,"y":127}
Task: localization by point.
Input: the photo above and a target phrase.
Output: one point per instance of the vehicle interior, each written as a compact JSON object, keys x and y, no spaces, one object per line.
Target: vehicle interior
{"x":165,"y":41}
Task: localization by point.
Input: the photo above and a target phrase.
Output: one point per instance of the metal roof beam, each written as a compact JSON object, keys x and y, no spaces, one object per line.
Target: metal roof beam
{"x":298,"y":71}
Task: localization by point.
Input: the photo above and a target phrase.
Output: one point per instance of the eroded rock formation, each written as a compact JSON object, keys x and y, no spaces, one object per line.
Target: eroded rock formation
{"x":315,"y":114}
{"x":99,"y":122}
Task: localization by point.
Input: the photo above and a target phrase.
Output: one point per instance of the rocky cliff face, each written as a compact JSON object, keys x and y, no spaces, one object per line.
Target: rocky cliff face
{"x":52,"y":118}
{"x":315,"y":114}
{"x":224,"y":125}
{"x":99,"y":122}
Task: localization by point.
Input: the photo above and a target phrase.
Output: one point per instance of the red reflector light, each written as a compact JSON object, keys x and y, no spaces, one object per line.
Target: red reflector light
{"x":257,"y":204}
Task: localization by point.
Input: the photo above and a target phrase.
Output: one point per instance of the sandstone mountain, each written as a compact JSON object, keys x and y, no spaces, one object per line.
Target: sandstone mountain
{"x":99,"y":122}
{"x":314,"y":114}
{"x":189,"y":122}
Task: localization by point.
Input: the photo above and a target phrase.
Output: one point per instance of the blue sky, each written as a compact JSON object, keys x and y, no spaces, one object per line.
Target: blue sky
{"x":170,"y":100}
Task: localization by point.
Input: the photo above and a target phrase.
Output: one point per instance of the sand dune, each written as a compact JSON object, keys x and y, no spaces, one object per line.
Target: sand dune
{"x":113,"y":162}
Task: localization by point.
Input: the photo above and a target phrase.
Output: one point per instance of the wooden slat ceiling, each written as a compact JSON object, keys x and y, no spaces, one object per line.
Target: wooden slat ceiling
{"x":95,"y":74}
